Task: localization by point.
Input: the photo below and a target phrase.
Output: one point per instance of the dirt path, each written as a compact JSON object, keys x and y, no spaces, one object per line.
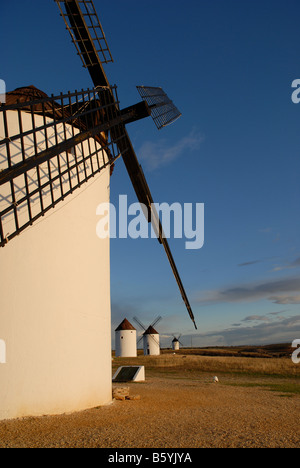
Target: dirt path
{"x":171,"y":413}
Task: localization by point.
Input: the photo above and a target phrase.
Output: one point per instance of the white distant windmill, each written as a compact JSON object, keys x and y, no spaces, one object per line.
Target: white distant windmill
{"x":125,"y":340}
{"x":150,"y":338}
{"x":176,"y":343}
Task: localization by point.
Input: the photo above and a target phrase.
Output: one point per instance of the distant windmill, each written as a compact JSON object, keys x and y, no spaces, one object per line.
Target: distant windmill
{"x":125,"y":342}
{"x":176,"y":343}
{"x":150,"y":337}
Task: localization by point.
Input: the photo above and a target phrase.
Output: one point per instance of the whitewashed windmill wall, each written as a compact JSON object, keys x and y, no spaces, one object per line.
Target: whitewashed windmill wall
{"x":55,"y":314}
{"x":125,"y":340}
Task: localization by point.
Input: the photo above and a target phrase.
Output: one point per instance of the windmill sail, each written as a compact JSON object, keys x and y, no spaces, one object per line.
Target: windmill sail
{"x":49,"y":147}
{"x":74,"y":15}
{"x":149,"y":331}
{"x":35,"y":173}
{"x":152,"y":325}
{"x":163,"y":110}
{"x":77,"y":15}
{"x":68,"y":142}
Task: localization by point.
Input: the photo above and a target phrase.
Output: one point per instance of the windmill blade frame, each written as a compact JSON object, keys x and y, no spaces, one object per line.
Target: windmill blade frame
{"x":69,"y":143}
{"x":140,"y":339}
{"x":97,"y":44}
{"x":141,"y":325}
{"x":179,"y":339}
{"x":163,"y":110}
{"x":155,"y":322}
{"x":132,"y":165}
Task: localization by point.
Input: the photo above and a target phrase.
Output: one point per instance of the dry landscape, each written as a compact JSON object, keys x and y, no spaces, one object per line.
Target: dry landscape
{"x":255,"y":404}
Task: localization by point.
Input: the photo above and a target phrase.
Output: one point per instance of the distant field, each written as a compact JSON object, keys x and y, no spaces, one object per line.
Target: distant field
{"x":273,"y":360}
{"x":267,"y":351}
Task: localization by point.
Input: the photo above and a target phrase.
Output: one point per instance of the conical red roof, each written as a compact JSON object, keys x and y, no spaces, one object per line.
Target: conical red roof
{"x":125,"y":325}
{"x":151,"y":331}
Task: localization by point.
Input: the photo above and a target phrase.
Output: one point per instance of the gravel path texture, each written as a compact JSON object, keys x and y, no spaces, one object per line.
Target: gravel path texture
{"x":171,"y":413}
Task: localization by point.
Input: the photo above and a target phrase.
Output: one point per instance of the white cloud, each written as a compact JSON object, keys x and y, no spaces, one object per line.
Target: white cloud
{"x":288,"y":266}
{"x":254,"y":318}
{"x":285,"y":299}
{"x":279,"y":331}
{"x":279,"y":312}
{"x":253,"y":262}
{"x":156,"y":155}
{"x":272,"y":290}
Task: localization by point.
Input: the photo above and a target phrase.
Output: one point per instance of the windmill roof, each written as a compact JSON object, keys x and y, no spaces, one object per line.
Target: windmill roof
{"x":31,"y":93}
{"x":125,"y":325}
{"x":50,"y":109}
{"x":25,"y":94}
{"x":175,"y":340}
{"x":151,"y":331}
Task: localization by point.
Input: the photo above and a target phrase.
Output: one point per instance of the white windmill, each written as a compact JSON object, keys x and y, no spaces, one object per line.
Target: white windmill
{"x":150,"y":338}
{"x":125,"y":336}
{"x":176,"y":343}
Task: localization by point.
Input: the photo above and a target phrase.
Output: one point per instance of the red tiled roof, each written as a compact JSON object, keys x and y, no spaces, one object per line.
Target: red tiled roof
{"x":125,"y":325}
{"x":151,"y":331}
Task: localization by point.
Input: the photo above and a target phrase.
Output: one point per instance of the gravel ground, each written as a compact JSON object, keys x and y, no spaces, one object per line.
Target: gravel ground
{"x":171,"y":413}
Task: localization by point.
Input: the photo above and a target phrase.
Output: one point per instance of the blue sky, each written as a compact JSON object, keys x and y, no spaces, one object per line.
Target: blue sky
{"x":228,"y":65}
